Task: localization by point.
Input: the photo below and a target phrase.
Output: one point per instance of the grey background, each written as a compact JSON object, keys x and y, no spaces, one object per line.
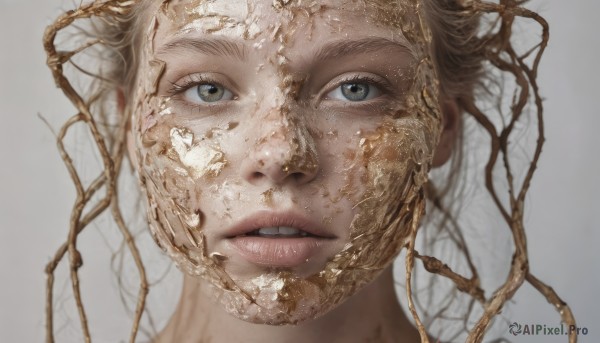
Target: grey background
{"x":36,"y":194}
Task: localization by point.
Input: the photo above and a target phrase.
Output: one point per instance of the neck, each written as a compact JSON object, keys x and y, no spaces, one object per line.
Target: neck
{"x":371,"y":315}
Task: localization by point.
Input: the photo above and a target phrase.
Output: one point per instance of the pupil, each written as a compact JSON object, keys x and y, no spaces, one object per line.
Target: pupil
{"x":210,"y":92}
{"x":355,"y":91}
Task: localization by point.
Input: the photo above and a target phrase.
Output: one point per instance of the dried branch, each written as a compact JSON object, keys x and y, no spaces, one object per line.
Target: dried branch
{"x":107,"y":180}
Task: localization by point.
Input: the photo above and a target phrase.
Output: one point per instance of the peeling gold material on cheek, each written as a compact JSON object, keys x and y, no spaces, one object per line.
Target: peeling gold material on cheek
{"x":155,"y":73}
{"x":280,"y":4}
{"x":218,"y":257}
{"x":200,"y":159}
{"x":175,"y":218}
{"x":193,"y":220}
{"x":169,"y":163}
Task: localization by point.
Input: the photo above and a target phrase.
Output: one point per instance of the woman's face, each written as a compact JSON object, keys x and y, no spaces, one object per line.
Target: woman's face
{"x":282,"y":145}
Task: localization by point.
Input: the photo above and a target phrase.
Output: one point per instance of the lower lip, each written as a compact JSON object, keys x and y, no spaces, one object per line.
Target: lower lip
{"x":277,"y":252}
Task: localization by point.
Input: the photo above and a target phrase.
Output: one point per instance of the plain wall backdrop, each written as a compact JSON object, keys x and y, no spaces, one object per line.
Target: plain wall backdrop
{"x":563,"y":207}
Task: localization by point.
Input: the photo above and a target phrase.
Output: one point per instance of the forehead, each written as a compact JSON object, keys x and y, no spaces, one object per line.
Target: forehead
{"x":284,"y":20}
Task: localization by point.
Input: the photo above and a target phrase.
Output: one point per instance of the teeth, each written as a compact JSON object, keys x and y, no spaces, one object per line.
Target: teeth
{"x":285,"y":230}
{"x":268,"y":231}
{"x":280,"y":231}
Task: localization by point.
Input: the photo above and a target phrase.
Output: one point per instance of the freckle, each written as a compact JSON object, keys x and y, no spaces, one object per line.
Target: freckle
{"x":350,"y":154}
{"x":232,"y":125}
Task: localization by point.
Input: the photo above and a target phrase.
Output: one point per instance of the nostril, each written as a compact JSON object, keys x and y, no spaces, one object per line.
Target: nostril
{"x":297,"y":176}
{"x":257,"y":175}
{"x":277,"y":170}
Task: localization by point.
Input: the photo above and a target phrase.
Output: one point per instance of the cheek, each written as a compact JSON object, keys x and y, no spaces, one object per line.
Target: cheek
{"x":177,"y":168}
{"x":396,"y":153}
{"x":167,"y":172}
{"x":391,"y":165}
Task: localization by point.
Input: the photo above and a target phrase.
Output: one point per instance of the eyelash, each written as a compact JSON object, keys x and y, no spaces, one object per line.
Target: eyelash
{"x":197,"y":80}
{"x":362,"y":79}
{"x":189,"y":82}
{"x":384,"y":87}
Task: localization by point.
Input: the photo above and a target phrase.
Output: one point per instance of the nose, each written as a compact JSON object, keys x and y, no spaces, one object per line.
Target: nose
{"x":284,"y":155}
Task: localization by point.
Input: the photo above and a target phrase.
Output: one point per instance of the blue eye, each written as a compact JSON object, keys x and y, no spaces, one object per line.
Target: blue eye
{"x":354,"y":91}
{"x":207,"y":93}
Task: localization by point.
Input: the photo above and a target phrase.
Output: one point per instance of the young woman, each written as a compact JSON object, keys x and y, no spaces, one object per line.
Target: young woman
{"x":283,"y":149}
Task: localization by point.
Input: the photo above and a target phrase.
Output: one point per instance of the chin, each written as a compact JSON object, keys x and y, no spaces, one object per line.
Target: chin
{"x":278,"y":298}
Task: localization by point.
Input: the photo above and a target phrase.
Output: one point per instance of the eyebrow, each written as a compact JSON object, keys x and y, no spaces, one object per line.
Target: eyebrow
{"x":345,"y":48}
{"x":217,"y":47}
{"x":331,"y":50}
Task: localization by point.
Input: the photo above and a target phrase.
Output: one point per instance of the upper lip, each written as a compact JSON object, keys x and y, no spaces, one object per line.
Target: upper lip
{"x":262,"y":219}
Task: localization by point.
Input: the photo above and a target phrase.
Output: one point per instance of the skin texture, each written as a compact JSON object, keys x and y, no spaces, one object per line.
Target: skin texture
{"x":284,"y":138}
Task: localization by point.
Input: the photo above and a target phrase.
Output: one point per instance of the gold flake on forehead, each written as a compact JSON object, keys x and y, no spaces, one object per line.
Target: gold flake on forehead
{"x":205,"y":16}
